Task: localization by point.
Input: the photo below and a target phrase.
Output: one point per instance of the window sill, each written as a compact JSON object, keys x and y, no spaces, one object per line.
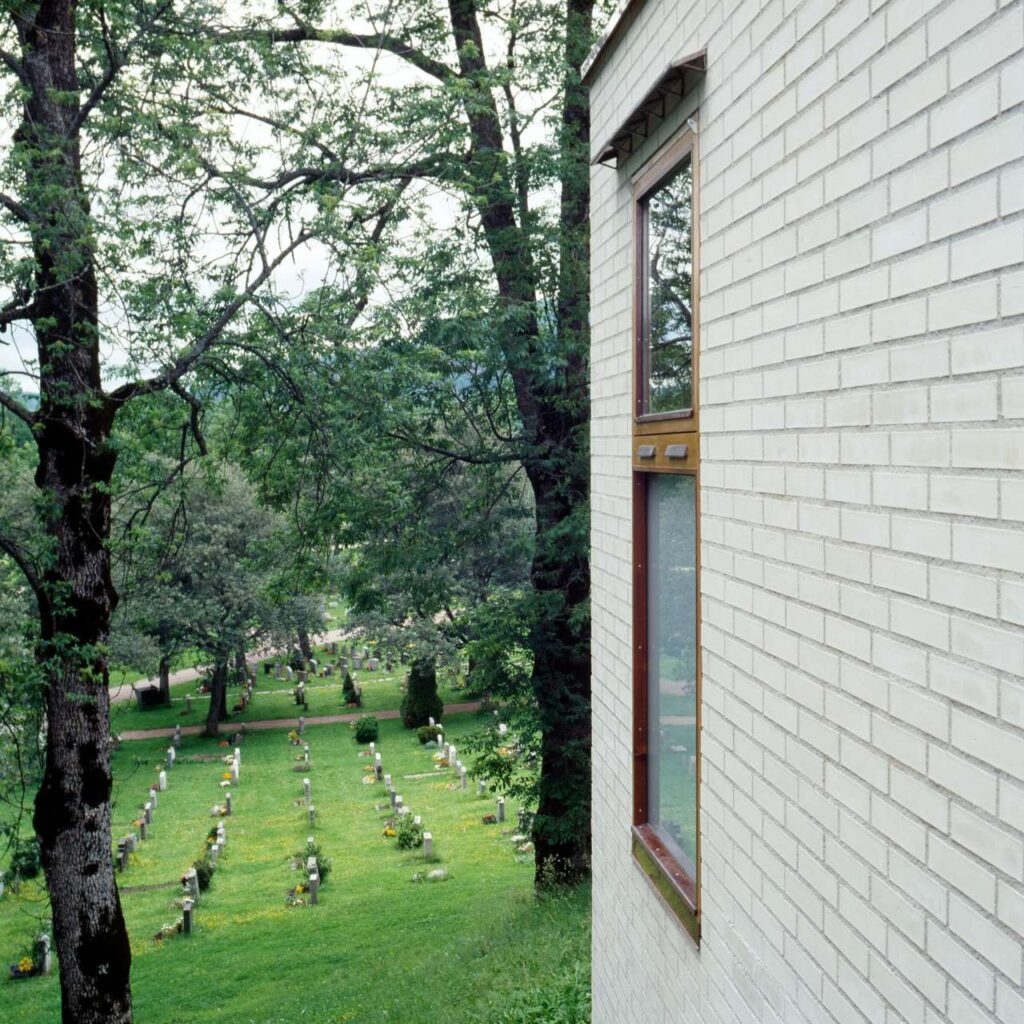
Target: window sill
{"x":677,"y":890}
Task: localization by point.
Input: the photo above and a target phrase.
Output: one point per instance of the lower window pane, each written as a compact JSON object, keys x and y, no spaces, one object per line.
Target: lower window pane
{"x":672,"y":663}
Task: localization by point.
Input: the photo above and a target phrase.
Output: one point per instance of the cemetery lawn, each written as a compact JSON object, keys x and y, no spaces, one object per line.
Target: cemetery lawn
{"x":378,"y":948}
{"x":273,"y":699}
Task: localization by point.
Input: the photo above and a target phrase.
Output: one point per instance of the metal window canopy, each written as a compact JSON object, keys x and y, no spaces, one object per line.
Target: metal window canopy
{"x":672,"y":85}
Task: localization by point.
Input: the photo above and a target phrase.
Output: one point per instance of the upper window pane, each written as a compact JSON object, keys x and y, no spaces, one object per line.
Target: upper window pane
{"x":668,"y":305}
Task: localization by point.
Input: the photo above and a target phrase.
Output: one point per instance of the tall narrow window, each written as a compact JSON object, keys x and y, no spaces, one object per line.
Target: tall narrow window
{"x":666,"y":446}
{"x":668,"y":295}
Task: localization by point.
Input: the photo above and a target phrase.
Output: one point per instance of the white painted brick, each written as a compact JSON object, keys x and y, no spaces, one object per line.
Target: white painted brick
{"x":862,"y":389}
{"x":964,"y":402}
{"x":998,"y":247}
{"x":963,"y":209}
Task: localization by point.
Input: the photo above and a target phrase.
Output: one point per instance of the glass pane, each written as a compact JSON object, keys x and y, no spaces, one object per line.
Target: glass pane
{"x":672,"y":663}
{"x":669,"y":328}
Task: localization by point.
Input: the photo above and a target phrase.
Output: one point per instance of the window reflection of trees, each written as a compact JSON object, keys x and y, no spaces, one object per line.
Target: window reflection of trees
{"x":670,"y":284}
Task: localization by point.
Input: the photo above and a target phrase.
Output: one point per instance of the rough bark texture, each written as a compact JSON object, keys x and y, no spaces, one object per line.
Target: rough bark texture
{"x":304,"y":645}
{"x":77,"y":596}
{"x":554,"y":411}
{"x":165,"y":679}
{"x":218,"y":698}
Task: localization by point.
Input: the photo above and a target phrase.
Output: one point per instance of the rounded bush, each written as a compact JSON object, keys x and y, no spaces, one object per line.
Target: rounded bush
{"x":367,"y":729}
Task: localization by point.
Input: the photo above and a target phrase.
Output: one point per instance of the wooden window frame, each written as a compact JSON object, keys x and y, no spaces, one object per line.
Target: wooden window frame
{"x":662,"y":443}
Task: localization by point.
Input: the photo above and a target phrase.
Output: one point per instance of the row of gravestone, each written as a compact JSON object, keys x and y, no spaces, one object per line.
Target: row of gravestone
{"x":312,"y":868}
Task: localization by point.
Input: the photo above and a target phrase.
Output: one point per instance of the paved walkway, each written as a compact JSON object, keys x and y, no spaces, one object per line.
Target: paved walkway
{"x":124,"y":693}
{"x":286,"y":723}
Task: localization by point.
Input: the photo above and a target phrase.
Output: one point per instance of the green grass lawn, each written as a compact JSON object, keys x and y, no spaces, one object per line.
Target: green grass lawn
{"x":378,"y":948}
{"x":272,"y":698}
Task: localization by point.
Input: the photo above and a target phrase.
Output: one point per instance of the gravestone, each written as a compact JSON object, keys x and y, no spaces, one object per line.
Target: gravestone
{"x":394,"y":799}
{"x":132,"y":842}
{"x":373,"y":748}
{"x":162,"y":777}
{"x":170,"y":757}
{"x":222,"y":836}
{"x":302,"y":725}
{"x":357,"y":663}
{"x":452,"y":756}
{"x":314,"y":886}
{"x":300,"y":693}
{"x":417,"y":820}
{"x":428,"y":845}
{"x":307,"y":789}
{"x":464,"y":777}
{"x":188,"y":703}
{"x":176,"y":741}
{"x":47,"y":964}
{"x":501,"y":809}
{"x":387,"y":782}
{"x":186,"y":917}
{"x":290,"y":671}
{"x":227,"y":804}
{"x":147,"y":813}
{"x":502,"y":729}
{"x":481,"y":787}
{"x":277,"y":670}
{"x":372,"y":665}
{"x":238,"y":755}
{"x":522,"y":819}
{"x":214,"y":853}
{"x":192,"y":884}
{"x":235,"y":774}
{"x":311,"y":815}
{"x":312,"y":665}
{"x":122,"y":854}
{"x":430,"y":721}
{"x":398,"y":803}
{"x":152,"y":796}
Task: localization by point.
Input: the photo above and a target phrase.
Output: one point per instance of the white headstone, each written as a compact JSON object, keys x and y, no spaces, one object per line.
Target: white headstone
{"x":147,"y":812}
{"x":152,"y":796}
{"x":307,"y":788}
{"x":502,"y":729}
{"x":47,"y":964}
{"x":163,"y":781}
{"x":214,"y":853}
{"x":302,"y":725}
{"x":428,"y":845}
{"x":501,"y":808}
{"x":227,"y":804}
{"x":430,"y":721}
{"x":481,"y":786}
{"x":311,"y":813}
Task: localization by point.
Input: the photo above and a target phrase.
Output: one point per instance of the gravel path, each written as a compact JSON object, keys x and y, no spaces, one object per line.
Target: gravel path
{"x":285,"y":723}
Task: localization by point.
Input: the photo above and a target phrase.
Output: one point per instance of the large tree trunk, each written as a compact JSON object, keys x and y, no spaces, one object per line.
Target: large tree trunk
{"x":554,"y":414}
{"x":304,"y":644}
{"x":165,"y":679}
{"x":218,"y":698}
{"x":241,"y":665}
{"x":76,"y":596}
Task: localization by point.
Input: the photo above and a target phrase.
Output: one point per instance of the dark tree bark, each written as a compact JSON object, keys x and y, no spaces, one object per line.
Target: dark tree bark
{"x":76,"y":597}
{"x":304,"y":644}
{"x":165,"y":679}
{"x":218,"y":698}
{"x":554,"y":413}
{"x":241,"y":665}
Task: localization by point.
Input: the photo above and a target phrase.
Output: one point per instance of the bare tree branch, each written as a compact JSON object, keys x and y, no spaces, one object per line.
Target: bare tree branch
{"x":342,"y":37}
{"x":13,"y":406}
{"x":14,"y":65}
{"x":188,"y":360}
{"x":20,"y":558}
{"x":14,"y":207}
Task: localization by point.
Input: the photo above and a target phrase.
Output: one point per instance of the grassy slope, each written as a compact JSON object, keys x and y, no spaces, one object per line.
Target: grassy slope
{"x":377,"y":949}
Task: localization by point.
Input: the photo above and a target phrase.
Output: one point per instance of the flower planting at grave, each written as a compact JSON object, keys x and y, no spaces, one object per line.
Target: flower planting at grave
{"x":168,"y":931}
{"x":409,"y":833}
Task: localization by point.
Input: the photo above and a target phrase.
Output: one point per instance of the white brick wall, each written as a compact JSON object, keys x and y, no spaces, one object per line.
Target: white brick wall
{"x":862,"y":495}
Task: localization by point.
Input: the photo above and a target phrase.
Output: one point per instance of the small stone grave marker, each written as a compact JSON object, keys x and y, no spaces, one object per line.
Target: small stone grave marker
{"x":163,"y":781}
{"x":192,"y":884}
{"x":311,"y":814}
{"x":501,"y":809}
{"x":152,"y":796}
{"x":170,"y":757}
{"x":186,"y":917}
{"x":147,"y":813}
{"x":176,"y":741}
{"x":188,"y":703}
{"x":307,"y":789}
{"x":227,"y":805}
{"x":428,"y":845}
{"x":481,"y":787}
{"x":302,"y":725}
{"x":214,"y":852}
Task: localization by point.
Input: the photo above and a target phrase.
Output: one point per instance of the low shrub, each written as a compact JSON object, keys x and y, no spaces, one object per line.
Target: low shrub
{"x":367,"y":729}
{"x":410,"y":834}
{"x":564,"y":1002}
{"x":204,"y":872}
{"x":349,"y":693}
{"x":323,"y":863}
{"x":428,"y":733}
{"x":26,"y":860}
